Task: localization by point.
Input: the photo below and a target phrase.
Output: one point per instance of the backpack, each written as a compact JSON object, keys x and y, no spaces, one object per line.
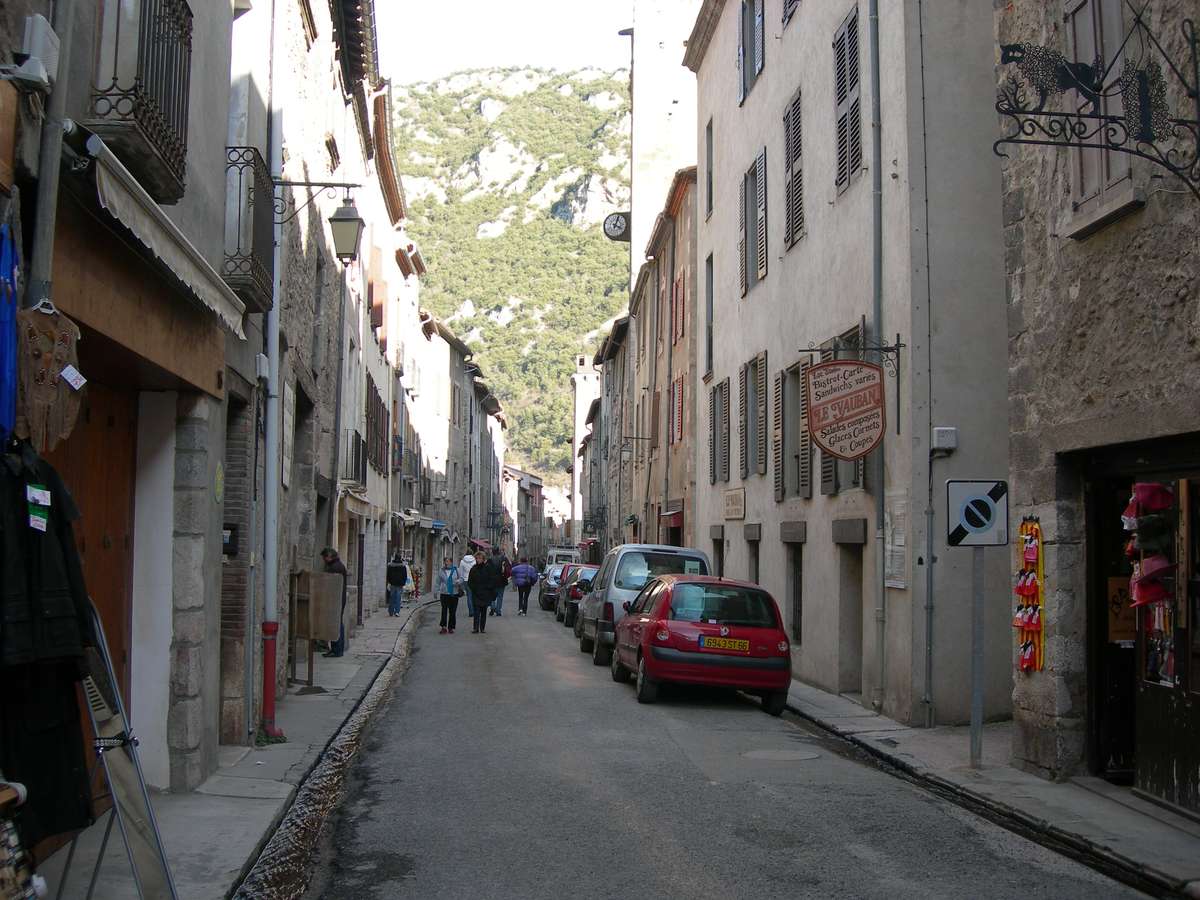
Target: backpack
{"x":506,"y":569}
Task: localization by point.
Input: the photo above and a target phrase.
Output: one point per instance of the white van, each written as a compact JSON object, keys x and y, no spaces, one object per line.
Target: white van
{"x":560,"y":555}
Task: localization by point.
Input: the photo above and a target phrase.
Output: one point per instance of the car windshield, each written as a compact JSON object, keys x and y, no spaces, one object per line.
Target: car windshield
{"x":639,"y":566}
{"x":554,"y":571}
{"x":722,"y":605}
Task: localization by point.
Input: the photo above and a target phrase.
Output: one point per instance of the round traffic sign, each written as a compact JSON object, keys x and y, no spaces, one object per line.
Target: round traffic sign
{"x":977,"y":514}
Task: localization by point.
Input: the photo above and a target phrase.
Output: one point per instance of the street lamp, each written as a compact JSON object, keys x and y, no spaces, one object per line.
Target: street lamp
{"x":347,"y":228}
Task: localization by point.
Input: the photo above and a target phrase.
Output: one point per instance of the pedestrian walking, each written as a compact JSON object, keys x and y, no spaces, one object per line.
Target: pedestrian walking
{"x":397,"y":577}
{"x":450,"y":589}
{"x":500,"y":571}
{"x":482,"y":582}
{"x":335,"y":566}
{"x":524,"y":576}
{"x":465,"y":565}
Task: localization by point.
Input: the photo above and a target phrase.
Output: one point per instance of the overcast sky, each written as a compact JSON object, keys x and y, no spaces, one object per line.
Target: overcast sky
{"x":419,"y":41}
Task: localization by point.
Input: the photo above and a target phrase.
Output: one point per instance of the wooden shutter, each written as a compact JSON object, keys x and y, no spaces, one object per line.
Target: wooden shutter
{"x":805,"y":442}
{"x":743,"y":461}
{"x":683,"y":305}
{"x":760,"y":55}
{"x":671,"y":414}
{"x":741,"y":59}
{"x":654,"y":418}
{"x":742,"y":267}
{"x":828,"y":463}
{"x":725,"y":430}
{"x":793,"y":171}
{"x":760,"y":216}
{"x":789,"y":7}
{"x":712,"y":435}
{"x":725,"y":426}
{"x":679,"y":411}
{"x":760,"y":374}
{"x":848,"y":114}
{"x":777,"y":437}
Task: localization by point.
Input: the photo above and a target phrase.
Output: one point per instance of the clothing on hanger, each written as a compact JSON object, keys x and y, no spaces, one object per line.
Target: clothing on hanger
{"x":8,"y":331}
{"x":47,"y":402}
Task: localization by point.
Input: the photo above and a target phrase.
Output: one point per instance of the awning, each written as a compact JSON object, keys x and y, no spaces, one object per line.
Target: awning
{"x":123,"y":198}
{"x":408,"y":520}
{"x":671,"y":520}
{"x":482,"y":545}
{"x":357,"y":506}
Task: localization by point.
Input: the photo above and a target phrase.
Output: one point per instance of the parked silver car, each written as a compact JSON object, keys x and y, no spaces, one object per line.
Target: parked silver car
{"x":623,"y":573}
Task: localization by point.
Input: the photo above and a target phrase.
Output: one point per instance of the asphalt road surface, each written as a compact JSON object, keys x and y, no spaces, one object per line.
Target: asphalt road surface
{"x":506,"y":765}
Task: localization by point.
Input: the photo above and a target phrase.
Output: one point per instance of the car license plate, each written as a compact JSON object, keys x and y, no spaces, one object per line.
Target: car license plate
{"x":708,"y":642}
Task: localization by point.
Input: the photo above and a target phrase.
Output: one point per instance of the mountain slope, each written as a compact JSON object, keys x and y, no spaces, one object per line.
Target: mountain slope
{"x":509,"y":174}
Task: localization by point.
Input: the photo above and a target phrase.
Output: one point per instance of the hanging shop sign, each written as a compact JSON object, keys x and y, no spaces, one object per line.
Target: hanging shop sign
{"x":845,"y":407}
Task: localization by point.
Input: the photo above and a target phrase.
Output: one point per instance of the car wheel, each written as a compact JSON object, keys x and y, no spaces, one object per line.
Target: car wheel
{"x":620,"y":674}
{"x":558,"y":613}
{"x":647,"y":688}
{"x":578,"y":626}
{"x":601,"y":655}
{"x":585,"y":643}
{"x":775,"y":702}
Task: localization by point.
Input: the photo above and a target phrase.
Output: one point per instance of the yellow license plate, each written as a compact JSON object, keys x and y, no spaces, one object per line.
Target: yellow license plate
{"x":720,"y":643}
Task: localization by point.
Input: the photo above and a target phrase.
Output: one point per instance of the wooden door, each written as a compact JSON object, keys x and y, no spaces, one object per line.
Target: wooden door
{"x":97,"y":463}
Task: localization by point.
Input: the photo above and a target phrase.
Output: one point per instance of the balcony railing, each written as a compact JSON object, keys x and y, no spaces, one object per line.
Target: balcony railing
{"x":249,"y":234}
{"x":140,"y":96}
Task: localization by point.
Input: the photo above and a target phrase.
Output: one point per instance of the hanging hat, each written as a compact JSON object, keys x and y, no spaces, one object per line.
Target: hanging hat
{"x":1153,"y":533}
{"x":1149,"y":591}
{"x":1152,"y":567}
{"x":1153,"y":497}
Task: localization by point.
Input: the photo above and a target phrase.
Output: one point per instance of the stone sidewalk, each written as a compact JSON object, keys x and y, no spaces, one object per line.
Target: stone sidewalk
{"x":213,"y":834}
{"x":1099,"y":824}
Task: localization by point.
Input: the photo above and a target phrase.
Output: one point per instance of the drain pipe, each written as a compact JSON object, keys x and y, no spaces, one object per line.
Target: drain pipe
{"x":270,"y":625}
{"x":877,"y":694}
{"x":50,"y":161}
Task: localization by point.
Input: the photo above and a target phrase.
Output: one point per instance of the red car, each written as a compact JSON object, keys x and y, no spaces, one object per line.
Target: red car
{"x":698,"y":629}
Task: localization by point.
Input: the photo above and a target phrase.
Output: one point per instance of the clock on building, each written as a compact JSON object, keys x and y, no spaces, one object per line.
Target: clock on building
{"x":616,"y":226}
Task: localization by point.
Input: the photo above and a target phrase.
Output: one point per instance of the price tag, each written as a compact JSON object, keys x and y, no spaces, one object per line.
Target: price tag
{"x":73,"y":377}
{"x":38,"y":517}
{"x":37,"y":494}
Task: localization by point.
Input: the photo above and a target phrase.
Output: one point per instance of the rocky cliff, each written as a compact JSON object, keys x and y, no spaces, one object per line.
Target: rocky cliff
{"x":509,"y":174}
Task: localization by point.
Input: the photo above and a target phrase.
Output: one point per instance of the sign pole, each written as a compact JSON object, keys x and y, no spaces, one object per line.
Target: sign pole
{"x":976,"y":657}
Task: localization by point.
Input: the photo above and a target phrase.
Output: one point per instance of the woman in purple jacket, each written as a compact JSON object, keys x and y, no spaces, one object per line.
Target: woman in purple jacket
{"x":524,"y":576}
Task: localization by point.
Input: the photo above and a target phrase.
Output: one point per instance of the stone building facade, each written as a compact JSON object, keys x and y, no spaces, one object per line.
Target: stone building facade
{"x":1104,"y":374}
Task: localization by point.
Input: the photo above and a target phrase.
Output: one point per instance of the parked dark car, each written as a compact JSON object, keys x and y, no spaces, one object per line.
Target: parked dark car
{"x":569,"y":593}
{"x":563,"y":579}
{"x":704,"y":630}
{"x":548,"y":586}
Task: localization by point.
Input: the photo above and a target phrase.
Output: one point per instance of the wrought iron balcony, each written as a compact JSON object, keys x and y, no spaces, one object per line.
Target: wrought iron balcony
{"x":140,"y":96}
{"x":249,"y":264}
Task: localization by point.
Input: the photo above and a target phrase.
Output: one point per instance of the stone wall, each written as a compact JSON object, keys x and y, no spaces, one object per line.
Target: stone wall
{"x":1104,"y":341}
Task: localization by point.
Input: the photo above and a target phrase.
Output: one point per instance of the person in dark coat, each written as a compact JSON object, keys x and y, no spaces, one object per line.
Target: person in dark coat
{"x":334,"y":565}
{"x":397,"y":577}
{"x":482,"y":583}
{"x":500,"y":569}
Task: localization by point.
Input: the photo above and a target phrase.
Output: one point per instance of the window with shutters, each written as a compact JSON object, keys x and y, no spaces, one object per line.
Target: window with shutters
{"x":723,"y":434}
{"x":752,"y":215}
{"x":678,"y":310}
{"x":1095,"y":30}
{"x":654,"y":417}
{"x":708,"y":169}
{"x":838,"y":474}
{"x":708,"y":315}
{"x":679,"y":407}
{"x":789,"y":9}
{"x":714,"y":445}
{"x":848,"y":102}
{"x":752,"y":421}
{"x":793,"y":173}
{"x":751,"y":46}
{"x":796,"y":450}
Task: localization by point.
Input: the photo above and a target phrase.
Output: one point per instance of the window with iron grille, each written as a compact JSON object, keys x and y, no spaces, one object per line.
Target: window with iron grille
{"x":708,"y":314}
{"x":789,"y":9}
{"x":848,"y":102}
{"x":708,"y":168}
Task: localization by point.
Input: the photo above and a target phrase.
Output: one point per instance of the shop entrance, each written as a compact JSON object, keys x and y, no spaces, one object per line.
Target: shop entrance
{"x":1144,"y":671}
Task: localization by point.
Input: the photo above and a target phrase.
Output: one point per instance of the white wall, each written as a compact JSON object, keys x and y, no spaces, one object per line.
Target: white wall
{"x":154,"y":504}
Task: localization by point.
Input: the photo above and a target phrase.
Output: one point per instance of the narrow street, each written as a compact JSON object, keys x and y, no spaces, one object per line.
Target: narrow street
{"x":507,"y":765}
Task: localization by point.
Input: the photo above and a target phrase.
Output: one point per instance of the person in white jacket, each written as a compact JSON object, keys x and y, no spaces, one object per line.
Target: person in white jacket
{"x":464,"y":569}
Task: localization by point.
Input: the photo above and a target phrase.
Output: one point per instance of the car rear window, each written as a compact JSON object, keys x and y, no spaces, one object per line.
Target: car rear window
{"x":554,"y":571}
{"x":578,"y":572}
{"x":639,"y":566}
{"x":722,"y":605}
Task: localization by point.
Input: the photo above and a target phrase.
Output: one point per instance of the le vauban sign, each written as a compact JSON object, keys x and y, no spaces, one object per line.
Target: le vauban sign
{"x":845,"y":407}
